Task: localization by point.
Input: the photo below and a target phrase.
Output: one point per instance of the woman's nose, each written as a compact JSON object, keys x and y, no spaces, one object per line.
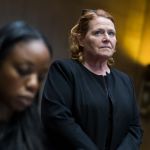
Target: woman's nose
{"x":33,"y":83}
{"x":105,"y":37}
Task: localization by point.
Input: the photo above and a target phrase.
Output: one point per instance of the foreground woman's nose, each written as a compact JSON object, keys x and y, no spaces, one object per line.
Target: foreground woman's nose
{"x":33,"y":83}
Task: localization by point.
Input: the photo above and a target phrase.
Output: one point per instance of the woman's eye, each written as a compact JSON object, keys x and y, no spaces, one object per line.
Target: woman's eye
{"x":23,"y":71}
{"x":111,"y":33}
{"x":99,"y":32}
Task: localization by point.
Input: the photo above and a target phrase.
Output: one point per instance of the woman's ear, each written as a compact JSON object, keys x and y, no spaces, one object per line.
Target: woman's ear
{"x":80,"y":40}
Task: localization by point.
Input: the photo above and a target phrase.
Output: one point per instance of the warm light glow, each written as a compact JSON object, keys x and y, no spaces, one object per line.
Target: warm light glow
{"x":144,"y":56}
{"x":136,"y":40}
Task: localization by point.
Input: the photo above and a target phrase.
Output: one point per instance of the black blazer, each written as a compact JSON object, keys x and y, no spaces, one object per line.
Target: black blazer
{"x":78,"y":108}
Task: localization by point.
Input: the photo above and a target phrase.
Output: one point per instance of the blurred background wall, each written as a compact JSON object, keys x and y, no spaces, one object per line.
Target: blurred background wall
{"x":56,"y":17}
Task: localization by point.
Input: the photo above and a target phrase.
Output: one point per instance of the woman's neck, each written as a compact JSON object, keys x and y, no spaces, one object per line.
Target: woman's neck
{"x":97,"y":67}
{"x":5,"y":112}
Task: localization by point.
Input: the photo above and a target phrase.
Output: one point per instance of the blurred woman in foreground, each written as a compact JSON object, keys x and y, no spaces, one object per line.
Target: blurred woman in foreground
{"x":25,"y":56}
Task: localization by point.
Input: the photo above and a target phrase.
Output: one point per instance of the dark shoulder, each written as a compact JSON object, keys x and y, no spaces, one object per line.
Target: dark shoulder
{"x":64,"y":67}
{"x":65,"y":64}
{"x":120,"y":74}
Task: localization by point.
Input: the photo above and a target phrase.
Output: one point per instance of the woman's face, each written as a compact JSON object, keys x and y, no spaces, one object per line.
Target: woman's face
{"x":100,"y":40}
{"x":22,"y":72}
